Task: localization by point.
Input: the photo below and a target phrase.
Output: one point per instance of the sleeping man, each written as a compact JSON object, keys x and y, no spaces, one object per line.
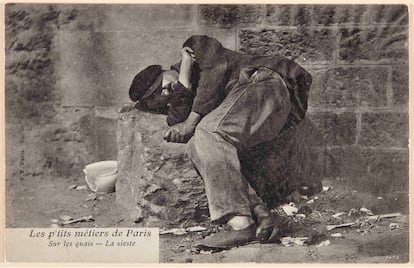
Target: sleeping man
{"x":222,"y":102}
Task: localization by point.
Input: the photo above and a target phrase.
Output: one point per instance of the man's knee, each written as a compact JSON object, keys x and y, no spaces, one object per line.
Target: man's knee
{"x":207,"y":125}
{"x":199,"y":141}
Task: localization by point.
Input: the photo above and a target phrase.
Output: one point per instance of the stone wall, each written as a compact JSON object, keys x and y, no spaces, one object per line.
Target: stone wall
{"x":68,"y":70}
{"x":359,"y":62}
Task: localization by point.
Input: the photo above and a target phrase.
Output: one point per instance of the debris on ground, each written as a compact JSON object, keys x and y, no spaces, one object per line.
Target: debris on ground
{"x":65,"y":218}
{"x":196,"y":229}
{"x":174,"y":231}
{"x":91,"y":197}
{"x":336,"y":235}
{"x":383,"y":216}
{"x":73,"y":186}
{"x":188,"y":260}
{"x":179,"y":248}
{"x":305,"y":210}
{"x":292,"y":241}
{"x":316,"y":213}
{"x":366,"y":211}
{"x":316,"y":238}
{"x":81,"y":187}
{"x":379,"y":198}
{"x":324,"y":244}
{"x":290,"y":209}
{"x":325,"y":188}
{"x":205,"y":252}
{"x":365,"y":226}
{"x":310,"y":201}
{"x":331,"y":227}
{"x":352,"y":211}
{"x":82,"y":219}
{"x":394,"y":225}
{"x":127,"y":108}
{"x":187,"y":239}
{"x":55,"y":221}
{"x":338,"y":215}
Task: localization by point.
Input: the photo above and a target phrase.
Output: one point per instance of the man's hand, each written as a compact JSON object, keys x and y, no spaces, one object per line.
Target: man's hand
{"x":180,"y":133}
{"x":187,"y":54}
{"x":184,"y":131}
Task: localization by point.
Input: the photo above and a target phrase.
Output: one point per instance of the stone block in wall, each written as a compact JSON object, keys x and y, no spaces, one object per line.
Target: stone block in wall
{"x":97,"y":68}
{"x":387,"y":171}
{"x":349,"y":87}
{"x":343,"y":162}
{"x":303,"y":45}
{"x":341,"y":14}
{"x":89,"y":74}
{"x":371,"y":170}
{"x":30,"y":60}
{"x":158,"y":185}
{"x":384,"y":129}
{"x":399,"y":84}
{"x":14,"y":146}
{"x":65,"y":145}
{"x":82,"y":17}
{"x":289,"y":15}
{"x":382,"y":43}
{"x":128,"y":17}
{"x":139,"y":16}
{"x":295,"y":15}
{"x":230,"y":15}
{"x":74,"y":138}
{"x":336,"y":128}
{"x":390,"y":14}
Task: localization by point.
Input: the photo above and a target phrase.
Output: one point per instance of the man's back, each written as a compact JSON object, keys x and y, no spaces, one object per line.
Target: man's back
{"x":218,"y":66}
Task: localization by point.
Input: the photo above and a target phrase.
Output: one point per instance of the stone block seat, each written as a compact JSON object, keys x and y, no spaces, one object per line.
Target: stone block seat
{"x":159,"y":187}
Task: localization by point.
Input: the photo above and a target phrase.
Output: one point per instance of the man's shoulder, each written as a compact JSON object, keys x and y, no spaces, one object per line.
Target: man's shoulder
{"x":202,"y":42}
{"x":199,"y":38}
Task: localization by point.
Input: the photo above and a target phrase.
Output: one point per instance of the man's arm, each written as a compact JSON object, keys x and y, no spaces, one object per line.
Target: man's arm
{"x":180,"y":104}
{"x":186,"y":67}
{"x":213,"y":72}
{"x":182,"y":132}
{"x":183,"y":94}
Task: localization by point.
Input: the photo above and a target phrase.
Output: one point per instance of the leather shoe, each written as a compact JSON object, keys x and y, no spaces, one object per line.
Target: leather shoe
{"x":228,"y":238}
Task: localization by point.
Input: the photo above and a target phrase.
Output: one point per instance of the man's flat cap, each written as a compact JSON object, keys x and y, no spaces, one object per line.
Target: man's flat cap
{"x":144,"y":83}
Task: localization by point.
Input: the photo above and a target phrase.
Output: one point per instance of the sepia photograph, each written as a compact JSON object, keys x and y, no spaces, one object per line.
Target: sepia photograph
{"x":207,"y":133}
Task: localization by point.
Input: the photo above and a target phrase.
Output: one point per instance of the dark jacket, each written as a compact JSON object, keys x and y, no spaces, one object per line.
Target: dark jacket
{"x":216,"y":66}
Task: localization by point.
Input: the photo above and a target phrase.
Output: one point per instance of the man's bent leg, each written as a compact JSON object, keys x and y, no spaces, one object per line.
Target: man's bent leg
{"x":226,"y":190}
{"x":253,"y":112}
{"x":219,"y":166}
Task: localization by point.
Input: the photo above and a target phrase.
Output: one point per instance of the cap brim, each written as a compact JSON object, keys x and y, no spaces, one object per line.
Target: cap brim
{"x":153,"y":88}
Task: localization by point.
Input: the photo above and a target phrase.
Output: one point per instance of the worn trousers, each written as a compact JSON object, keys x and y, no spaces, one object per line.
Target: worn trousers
{"x":254,"y":111}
